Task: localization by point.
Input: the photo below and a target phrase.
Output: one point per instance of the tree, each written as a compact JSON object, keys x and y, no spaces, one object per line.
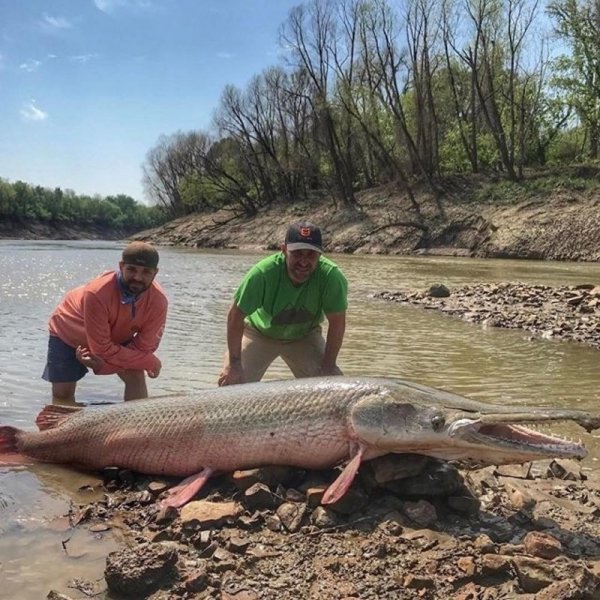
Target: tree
{"x":168,"y":164}
{"x":311,"y":33}
{"x":577,"y":22}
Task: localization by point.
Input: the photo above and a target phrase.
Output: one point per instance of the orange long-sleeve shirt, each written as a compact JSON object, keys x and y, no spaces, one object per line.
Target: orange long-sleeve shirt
{"x":94,"y":315}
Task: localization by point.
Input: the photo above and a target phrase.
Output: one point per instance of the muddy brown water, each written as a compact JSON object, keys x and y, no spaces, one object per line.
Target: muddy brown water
{"x":38,"y":549}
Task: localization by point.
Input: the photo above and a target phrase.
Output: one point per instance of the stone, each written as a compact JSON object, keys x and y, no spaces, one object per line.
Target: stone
{"x":542,"y":544}
{"x":467,"y":592}
{"x":290,"y":514}
{"x":355,"y":499}
{"x":54,"y":595}
{"x":269,"y":476}
{"x":437,"y":479}
{"x":533,"y":574}
{"x":259,"y":496}
{"x":484,"y":544}
{"x":196,"y":581}
{"x":323,"y":518}
{"x":467,"y":505}
{"x":203,"y":513}
{"x":559,"y":590}
{"x":392,"y":467}
{"x":138,"y":572}
{"x":314,"y":495}
{"x":467,"y":565}
{"x":421,"y":512}
{"x":417,"y":582}
{"x":239,"y":595}
{"x":238,"y":544}
{"x":157,"y":487}
{"x":438,"y":290}
{"x":516,"y":471}
{"x":495,"y":564}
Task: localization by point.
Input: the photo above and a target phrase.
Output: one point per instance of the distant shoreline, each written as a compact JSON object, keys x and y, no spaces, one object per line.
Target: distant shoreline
{"x":468,"y":220}
{"x":43,"y":231}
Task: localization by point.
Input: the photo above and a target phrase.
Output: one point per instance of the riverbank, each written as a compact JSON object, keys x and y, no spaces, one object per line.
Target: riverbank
{"x":568,"y":313}
{"x":542,"y":218}
{"x":549,"y":215}
{"x":35,"y":230}
{"x":410,"y":527}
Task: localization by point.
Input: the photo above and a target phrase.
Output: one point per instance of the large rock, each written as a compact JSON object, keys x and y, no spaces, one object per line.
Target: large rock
{"x":138,"y":572}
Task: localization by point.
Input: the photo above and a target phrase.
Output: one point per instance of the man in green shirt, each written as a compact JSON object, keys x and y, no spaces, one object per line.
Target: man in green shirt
{"x":278,"y":309}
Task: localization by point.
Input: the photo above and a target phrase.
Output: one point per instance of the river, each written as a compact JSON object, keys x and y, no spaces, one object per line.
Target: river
{"x":38,"y":549}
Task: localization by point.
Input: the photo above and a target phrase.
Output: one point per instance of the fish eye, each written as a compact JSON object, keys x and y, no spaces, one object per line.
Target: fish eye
{"x":438,"y":422}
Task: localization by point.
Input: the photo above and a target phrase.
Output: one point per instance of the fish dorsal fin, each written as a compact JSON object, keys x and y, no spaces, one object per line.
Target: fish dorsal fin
{"x":52,"y":415}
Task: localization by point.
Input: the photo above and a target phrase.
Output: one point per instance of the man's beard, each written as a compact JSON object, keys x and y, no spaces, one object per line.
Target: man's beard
{"x":139,"y":288}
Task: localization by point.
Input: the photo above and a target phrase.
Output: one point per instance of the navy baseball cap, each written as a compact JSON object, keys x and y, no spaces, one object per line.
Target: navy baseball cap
{"x":304,"y":236}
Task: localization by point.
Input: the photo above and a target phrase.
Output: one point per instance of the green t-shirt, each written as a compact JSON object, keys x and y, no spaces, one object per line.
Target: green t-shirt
{"x":277,"y":308}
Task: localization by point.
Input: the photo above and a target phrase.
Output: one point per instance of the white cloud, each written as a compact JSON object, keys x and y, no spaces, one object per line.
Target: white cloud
{"x":225,"y":55}
{"x":56,"y":22}
{"x":2,"y":63}
{"x":30,"y":112}
{"x":82,"y":58}
{"x":30,"y":65}
{"x":111,"y":6}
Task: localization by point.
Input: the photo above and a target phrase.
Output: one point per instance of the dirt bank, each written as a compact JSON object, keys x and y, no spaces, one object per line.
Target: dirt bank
{"x":558,"y":226}
{"x":410,"y":527}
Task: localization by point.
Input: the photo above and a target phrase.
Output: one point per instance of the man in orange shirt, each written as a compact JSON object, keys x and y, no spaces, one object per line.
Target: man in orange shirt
{"x":112,"y":324}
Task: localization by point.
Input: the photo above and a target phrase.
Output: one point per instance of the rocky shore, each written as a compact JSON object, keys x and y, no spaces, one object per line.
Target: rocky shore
{"x":561,"y":313}
{"x":410,"y":527}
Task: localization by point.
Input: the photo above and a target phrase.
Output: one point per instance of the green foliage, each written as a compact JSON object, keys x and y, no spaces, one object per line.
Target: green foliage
{"x":454,"y":158}
{"x":21,"y":202}
{"x":568,"y":147}
{"x":539,"y":185}
{"x":500,"y":192}
{"x":577,"y":73}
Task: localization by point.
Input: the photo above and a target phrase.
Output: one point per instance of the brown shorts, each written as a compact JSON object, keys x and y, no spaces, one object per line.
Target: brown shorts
{"x":303,"y":356}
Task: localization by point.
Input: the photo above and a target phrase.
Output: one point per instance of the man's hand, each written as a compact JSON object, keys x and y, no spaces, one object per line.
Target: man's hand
{"x":231,"y":374}
{"x":87,"y":359}
{"x":154,"y":373}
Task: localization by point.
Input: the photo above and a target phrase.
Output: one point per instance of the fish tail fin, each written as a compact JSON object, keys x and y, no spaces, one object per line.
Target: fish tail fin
{"x":52,"y":415}
{"x":9,"y":448}
{"x":8,"y":440}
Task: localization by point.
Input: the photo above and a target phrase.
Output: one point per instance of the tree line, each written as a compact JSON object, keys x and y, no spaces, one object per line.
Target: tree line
{"x":371,"y":92}
{"x":22,"y":203}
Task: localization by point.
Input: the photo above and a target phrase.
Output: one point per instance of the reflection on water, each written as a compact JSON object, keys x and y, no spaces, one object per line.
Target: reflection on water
{"x":382,"y":339}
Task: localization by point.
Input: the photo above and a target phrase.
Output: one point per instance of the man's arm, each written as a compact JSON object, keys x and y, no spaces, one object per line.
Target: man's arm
{"x":335,"y":337}
{"x":233,"y":371}
{"x":114,"y":357}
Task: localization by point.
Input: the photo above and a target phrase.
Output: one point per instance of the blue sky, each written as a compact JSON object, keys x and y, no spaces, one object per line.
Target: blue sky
{"x":88,"y":86}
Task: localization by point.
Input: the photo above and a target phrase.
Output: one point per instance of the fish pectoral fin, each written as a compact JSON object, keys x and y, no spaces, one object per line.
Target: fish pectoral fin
{"x":52,"y":415}
{"x":180,"y":494}
{"x":341,"y":485}
{"x":15,"y":460}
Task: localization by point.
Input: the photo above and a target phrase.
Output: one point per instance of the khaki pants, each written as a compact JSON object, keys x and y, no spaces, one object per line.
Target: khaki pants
{"x":303,"y":356}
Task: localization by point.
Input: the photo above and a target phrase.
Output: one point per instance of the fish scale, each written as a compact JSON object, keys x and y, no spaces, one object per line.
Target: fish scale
{"x":309,"y":423}
{"x":223,"y":429}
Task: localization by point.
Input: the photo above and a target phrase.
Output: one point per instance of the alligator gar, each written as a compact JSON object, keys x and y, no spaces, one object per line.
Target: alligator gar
{"x":311,"y":423}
